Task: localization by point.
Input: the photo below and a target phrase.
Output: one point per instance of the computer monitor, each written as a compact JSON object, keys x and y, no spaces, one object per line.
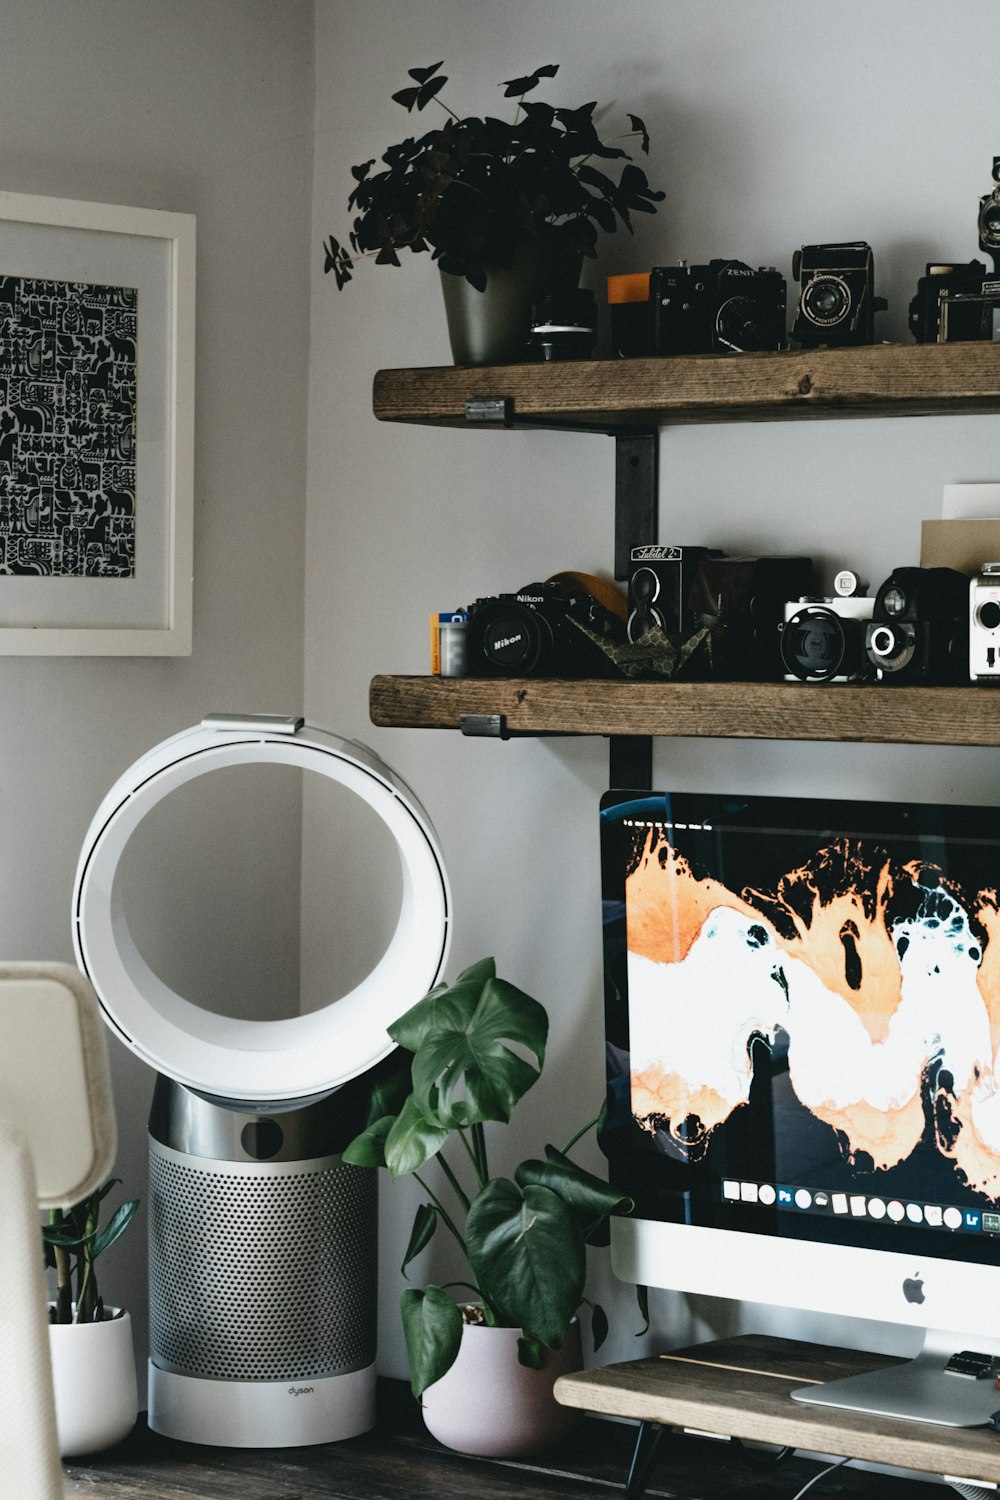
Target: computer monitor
{"x":803,"y":1016}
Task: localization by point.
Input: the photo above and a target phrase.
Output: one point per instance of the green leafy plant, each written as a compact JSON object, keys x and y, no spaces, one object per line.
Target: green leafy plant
{"x":476,"y":1048}
{"x":474,"y":190}
{"x":73,"y":1240}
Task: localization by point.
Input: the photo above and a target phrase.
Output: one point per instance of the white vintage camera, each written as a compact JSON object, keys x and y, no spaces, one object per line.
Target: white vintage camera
{"x":823,"y":640}
{"x":984,"y":624}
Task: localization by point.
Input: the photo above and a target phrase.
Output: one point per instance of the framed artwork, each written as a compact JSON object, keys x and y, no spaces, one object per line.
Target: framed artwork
{"x":96,"y":428}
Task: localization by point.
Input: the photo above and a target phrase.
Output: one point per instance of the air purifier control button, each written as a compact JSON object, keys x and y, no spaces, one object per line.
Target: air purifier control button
{"x":262,"y":1139}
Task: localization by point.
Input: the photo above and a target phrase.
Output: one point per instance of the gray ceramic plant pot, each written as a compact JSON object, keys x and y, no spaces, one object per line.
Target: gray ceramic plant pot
{"x":491,"y":327}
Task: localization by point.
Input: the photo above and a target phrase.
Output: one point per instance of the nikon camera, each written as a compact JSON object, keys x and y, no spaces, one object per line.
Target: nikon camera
{"x":724,"y":307}
{"x":544,"y":630}
{"x":837,"y":302}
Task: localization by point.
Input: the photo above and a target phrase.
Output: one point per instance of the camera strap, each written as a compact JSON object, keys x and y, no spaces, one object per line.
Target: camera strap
{"x":605,"y":593}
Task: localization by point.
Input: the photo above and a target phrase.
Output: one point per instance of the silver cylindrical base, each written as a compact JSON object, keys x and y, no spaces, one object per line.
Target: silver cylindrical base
{"x":263,"y":1275}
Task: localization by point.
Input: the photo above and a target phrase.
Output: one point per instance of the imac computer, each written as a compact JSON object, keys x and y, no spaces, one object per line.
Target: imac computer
{"x":803,"y":1021}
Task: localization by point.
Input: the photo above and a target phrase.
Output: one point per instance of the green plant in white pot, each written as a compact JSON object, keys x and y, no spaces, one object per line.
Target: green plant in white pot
{"x":476,"y":1048}
{"x":93,"y":1361}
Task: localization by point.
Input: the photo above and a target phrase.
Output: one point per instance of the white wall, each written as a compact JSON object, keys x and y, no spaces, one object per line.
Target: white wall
{"x":772,"y":126}
{"x":207,"y":110}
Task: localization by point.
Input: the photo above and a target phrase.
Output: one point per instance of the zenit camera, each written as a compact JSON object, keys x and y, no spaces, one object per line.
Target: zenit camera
{"x":984,"y":624}
{"x":837,"y":302}
{"x":724,"y":307}
{"x":919,"y":630}
{"x":544,"y":630}
{"x":823,"y":640}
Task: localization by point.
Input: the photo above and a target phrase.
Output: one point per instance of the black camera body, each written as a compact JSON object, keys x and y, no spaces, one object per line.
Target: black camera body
{"x":837,"y":302}
{"x":953,"y":303}
{"x":724,"y":307}
{"x":741,"y":601}
{"x":659,"y":589}
{"x":537,"y":633}
{"x":989,"y":220}
{"x":919,"y":630}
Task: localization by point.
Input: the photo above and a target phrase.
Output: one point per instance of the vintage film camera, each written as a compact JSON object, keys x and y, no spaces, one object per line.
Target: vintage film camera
{"x":837,"y":302}
{"x":659,"y":589}
{"x":541,"y":631}
{"x":823,"y":640}
{"x":724,"y":307}
{"x":984,"y":624}
{"x":961,"y":303}
{"x":741,"y":601}
{"x":919,"y":630}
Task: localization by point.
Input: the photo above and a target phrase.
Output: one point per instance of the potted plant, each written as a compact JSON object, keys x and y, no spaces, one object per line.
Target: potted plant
{"x":475,"y":1048}
{"x":507,"y":208}
{"x":93,"y":1363}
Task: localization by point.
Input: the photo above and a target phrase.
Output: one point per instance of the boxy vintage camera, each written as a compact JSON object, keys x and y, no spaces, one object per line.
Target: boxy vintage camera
{"x":919,"y":631}
{"x":837,"y":302}
{"x":659,"y":589}
{"x":537,"y":633}
{"x":823,"y":640}
{"x":984,"y":624}
{"x":961,"y":303}
{"x":724,"y":307}
{"x":741,"y":600}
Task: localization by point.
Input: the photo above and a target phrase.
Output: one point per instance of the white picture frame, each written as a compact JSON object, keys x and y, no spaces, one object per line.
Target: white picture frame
{"x":96,"y":431}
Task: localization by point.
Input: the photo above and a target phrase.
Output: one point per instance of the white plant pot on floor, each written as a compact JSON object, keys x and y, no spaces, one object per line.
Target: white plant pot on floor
{"x":93,"y":1374}
{"x":490,"y":1405}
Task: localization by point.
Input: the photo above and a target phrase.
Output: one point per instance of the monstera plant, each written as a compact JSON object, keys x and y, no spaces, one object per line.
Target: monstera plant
{"x":474,"y":1049}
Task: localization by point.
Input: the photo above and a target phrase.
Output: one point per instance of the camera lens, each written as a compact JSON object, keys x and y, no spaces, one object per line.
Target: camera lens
{"x":817,"y":644}
{"x":890,"y":647}
{"x":738,"y":325}
{"x":894,"y":601}
{"x":882,"y":641}
{"x":516,"y":640}
{"x":988,"y":614}
{"x":826,"y":300}
{"x":989,"y":223}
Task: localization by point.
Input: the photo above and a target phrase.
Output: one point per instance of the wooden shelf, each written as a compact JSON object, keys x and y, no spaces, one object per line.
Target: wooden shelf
{"x":880,"y":380}
{"x":733,"y":710}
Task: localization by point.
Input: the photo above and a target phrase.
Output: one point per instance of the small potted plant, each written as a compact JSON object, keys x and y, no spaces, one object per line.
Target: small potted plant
{"x":93,"y":1362}
{"x":475,"y":1049}
{"x":505,"y":207}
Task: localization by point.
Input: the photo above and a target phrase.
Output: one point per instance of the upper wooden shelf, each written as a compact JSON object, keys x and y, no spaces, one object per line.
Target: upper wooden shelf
{"x":733,"y":710}
{"x":882,"y":380}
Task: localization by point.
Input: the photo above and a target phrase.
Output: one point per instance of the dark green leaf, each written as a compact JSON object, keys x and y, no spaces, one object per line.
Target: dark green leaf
{"x":642,"y":1298}
{"x":116,"y":1226}
{"x":421,"y":75}
{"x":360,"y":172}
{"x":530,"y":1352}
{"x":432,"y":1325}
{"x":390,"y":1088}
{"x":526,"y":1254}
{"x":598,"y":1326}
{"x":412,"y":1140}
{"x":368,"y":1148}
{"x":466,"y":1070}
{"x":407,"y":97}
{"x":589,"y":1196}
{"x":478,"y":973}
{"x":636,"y":124}
{"x":429,"y":90}
{"x":516,"y":86}
{"x":424,"y":1226}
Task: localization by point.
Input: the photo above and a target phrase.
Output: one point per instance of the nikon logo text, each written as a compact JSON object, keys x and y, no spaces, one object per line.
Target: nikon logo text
{"x":302,"y":1390}
{"x":506,"y":640}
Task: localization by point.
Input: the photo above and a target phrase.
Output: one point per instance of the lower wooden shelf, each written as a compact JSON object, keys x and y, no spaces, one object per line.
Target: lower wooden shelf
{"x":736,"y":710}
{"x":740,"y":1388}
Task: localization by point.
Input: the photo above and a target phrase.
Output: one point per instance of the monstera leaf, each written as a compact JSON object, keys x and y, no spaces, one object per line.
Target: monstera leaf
{"x":432,"y":1325}
{"x":526,"y":1253}
{"x":465,"y":1069}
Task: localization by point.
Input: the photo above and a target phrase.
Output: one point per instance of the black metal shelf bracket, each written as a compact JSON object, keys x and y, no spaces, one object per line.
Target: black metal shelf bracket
{"x":636,"y":524}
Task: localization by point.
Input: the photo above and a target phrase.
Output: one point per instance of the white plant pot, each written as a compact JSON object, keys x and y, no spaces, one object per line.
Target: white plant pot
{"x":489,"y":1404}
{"x":93,"y":1373}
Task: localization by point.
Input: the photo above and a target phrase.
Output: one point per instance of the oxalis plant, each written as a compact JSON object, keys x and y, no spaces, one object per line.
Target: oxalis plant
{"x":472,"y":191}
{"x":476,"y":1048}
{"x":73,"y":1240}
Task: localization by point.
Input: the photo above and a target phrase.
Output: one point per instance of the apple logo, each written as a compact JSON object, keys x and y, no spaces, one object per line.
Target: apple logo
{"x":913,"y":1289}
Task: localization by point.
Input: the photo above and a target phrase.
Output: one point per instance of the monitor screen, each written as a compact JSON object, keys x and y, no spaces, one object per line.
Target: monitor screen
{"x":803,"y":1011}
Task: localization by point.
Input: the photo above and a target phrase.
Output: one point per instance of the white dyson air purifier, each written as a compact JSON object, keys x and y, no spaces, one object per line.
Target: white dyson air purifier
{"x":262,"y":1240}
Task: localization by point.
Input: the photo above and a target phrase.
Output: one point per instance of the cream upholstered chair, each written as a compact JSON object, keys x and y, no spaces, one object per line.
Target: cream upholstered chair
{"x":57,"y":1144}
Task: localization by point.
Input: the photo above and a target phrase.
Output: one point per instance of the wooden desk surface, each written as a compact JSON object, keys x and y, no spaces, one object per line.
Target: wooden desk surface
{"x":740,"y":1388}
{"x":399,"y":1461}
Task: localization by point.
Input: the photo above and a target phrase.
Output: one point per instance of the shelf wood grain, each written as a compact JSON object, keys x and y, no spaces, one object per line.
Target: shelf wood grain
{"x":726,"y":710}
{"x":880,"y":380}
{"x":740,"y":1388}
